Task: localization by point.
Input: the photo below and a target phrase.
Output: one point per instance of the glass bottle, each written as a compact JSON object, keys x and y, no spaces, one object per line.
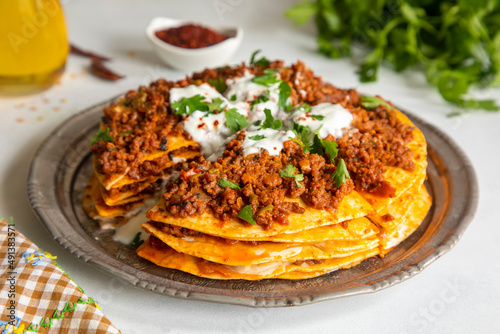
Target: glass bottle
{"x":33,"y":45}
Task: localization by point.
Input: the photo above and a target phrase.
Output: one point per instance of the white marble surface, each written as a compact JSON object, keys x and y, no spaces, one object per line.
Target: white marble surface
{"x":457,"y":294}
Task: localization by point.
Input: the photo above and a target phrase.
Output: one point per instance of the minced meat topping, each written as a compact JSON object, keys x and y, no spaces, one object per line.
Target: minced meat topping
{"x":143,"y":121}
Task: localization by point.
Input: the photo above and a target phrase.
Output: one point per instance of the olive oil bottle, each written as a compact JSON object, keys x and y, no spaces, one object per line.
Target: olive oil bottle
{"x":33,"y":45}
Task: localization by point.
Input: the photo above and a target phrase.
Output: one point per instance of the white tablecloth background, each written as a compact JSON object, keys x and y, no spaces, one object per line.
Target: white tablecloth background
{"x":457,"y":294}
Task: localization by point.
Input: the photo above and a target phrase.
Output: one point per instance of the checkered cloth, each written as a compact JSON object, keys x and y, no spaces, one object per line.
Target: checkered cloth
{"x":38,"y":296}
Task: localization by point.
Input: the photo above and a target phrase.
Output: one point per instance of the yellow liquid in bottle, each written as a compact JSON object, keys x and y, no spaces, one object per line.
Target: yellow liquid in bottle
{"x":33,"y":45}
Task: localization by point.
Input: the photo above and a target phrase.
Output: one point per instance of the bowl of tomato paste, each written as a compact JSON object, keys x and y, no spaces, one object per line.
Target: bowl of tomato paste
{"x":190,"y":46}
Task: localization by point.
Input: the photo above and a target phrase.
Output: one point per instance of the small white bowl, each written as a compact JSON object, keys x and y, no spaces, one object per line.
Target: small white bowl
{"x":193,"y":59}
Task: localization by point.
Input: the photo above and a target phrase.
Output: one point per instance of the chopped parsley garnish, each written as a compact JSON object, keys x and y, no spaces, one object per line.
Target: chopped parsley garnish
{"x":318,"y":117}
{"x":261,"y":62}
{"x":247,"y":215}
{"x":218,"y":84}
{"x":101,"y":135}
{"x":330,"y":148}
{"x":223,"y":182}
{"x":302,"y":134}
{"x":137,"y":241}
{"x":340,"y":173}
{"x":233,"y":98}
{"x":305,"y":107}
{"x":289,"y":171}
{"x":372,"y":102}
{"x":284,"y":94}
{"x":126,"y":103}
{"x":216,"y":104}
{"x":124,"y":134}
{"x":270,"y":122}
{"x":267,"y":79}
{"x":257,"y":137}
{"x":235,"y":121}
{"x":187,"y":105}
{"x":311,"y":142}
{"x":260,"y":99}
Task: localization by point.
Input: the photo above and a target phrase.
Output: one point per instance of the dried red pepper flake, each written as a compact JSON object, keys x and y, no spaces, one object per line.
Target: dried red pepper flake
{"x":190,"y":36}
{"x":77,"y":51}
{"x":98,"y":69}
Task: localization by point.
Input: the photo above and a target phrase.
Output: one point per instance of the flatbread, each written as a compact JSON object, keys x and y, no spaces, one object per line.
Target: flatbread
{"x":352,"y":206}
{"x":399,"y":178}
{"x":416,"y":216}
{"x":169,"y":258}
{"x":349,"y":230}
{"x":243,"y":253}
{"x":188,"y":149}
{"x":395,"y":213}
{"x":99,"y":209}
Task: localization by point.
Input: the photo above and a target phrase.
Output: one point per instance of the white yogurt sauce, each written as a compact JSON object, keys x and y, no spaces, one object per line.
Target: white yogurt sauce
{"x":127,"y":232}
{"x":273,"y":141}
{"x":335,"y":119}
{"x":209,"y":131}
{"x":257,"y":112}
{"x":244,"y":89}
{"x":210,"y":93}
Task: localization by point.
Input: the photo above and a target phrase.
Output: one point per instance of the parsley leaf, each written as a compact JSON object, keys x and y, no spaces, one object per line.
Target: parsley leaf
{"x":101,"y":135}
{"x":187,"y":105}
{"x":235,"y":121}
{"x":137,"y":241}
{"x":223,"y":182}
{"x":261,"y":62}
{"x":314,"y":144}
{"x":318,"y":117}
{"x":330,"y":148}
{"x":218,"y":84}
{"x":456,"y":43}
{"x":216,"y":104}
{"x":284,"y":94}
{"x":304,"y":107}
{"x":372,"y":102}
{"x":247,"y":215}
{"x":302,"y":133}
{"x":340,"y":173}
{"x":260,"y":99}
{"x":257,"y":137}
{"x":233,"y":98}
{"x":270,"y":122}
{"x":289,"y":171}
{"x":267,"y":79}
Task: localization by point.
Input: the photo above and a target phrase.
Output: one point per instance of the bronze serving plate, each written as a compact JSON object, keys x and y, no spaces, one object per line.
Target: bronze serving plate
{"x":62,"y":165}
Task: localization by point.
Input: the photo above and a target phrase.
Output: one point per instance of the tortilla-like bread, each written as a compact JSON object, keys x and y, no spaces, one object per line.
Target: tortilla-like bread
{"x":395,"y":213}
{"x":127,"y":194}
{"x":243,"y":253}
{"x":93,"y":192}
{"x":117,"y":180}
{"x":416,"y":216}
{"x":399,"y":178}
{"x":352,"y":206}
{"x":169,"y":258}
{"x":349,"y":230}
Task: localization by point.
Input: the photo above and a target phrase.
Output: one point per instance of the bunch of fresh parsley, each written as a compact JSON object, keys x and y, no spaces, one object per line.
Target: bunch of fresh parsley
{"x":456,"y":42}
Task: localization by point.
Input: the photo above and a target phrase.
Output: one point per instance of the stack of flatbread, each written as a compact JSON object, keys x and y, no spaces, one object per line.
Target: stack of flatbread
{"x":121,"y":195}
{"x":313,"y":243}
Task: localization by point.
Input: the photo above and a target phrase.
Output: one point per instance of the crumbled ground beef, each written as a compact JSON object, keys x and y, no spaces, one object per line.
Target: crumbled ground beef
{"x":261,"y":186}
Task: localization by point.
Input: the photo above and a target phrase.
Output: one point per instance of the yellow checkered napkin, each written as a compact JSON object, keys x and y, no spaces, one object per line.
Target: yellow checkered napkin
{"x":38,"y":296}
